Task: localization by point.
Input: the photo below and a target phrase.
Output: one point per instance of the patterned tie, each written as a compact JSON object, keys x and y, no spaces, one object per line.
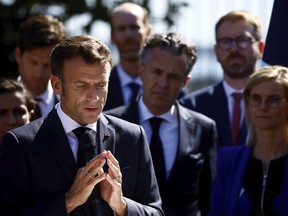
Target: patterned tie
{"x":236,"y":117}
{"x":157,"y":154}
{"x":87,"y":145}
{"x":134,"y":87}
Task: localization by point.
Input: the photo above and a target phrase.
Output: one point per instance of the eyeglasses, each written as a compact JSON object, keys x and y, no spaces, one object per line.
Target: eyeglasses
{"x":241,"y":42}
{"x":271,"y":101}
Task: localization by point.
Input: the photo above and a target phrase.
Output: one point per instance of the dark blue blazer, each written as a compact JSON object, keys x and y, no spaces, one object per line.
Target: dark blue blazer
{"x":212,"y":102}
{"x":231,"y":169}
{"x":196,"y":150}
{"x":115,"y":96}
{"x":37,"y":168}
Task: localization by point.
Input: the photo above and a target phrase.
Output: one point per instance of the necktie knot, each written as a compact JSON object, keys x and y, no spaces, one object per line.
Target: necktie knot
{"x":237,"y":96}
{"x":82,"y":133}
{"x":87,"y":145}
{"x":155,"y":123}
{"x":134,"y":87}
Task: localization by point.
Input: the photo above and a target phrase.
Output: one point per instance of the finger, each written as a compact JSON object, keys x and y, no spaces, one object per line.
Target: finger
{"x":96,"y":169}
{"x":114,"y":181}
{"x":113,"y":159}
{"x":116,"y":173}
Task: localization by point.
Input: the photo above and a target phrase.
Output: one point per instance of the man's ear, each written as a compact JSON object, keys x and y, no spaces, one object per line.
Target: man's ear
{"x":17,"y":53}
{"x":141,"y":68}
{"x":56,"y":84}
{"x":187,"y":78}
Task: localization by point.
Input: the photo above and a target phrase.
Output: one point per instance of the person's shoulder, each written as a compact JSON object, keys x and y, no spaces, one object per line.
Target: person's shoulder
{"x":121,"y":123}
{"x":206,"y":91}
{"x":199,"y":117}
{"x":117,"y":112}
{"x":232,"y":152}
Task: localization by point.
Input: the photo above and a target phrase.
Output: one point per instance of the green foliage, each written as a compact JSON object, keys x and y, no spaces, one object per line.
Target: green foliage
{"x":13,"y":12}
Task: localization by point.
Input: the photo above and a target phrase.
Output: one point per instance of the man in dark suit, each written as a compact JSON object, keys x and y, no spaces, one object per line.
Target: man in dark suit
{"x":238,"y":47}
{"x":129,"y":29}
{"x":36,"y":38}
{"x":187,"y":139}
{"x":45,"y":166}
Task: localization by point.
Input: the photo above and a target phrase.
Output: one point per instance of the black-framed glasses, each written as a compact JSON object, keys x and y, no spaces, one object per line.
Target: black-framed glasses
{"x":271,"y":101}
{"x":242,"y":42}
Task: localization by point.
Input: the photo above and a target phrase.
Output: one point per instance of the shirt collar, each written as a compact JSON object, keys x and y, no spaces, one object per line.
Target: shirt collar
{"x":229,"y":89}
{"x":125,"y":78}
{"x":68,"y":123}
{"x":145,"y":114}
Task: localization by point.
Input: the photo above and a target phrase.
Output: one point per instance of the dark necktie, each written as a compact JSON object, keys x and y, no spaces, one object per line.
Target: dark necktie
{"x":236,"y":117}
{"x":134,"y":87}
{"x":87,"y":145}
{"x":157,"y":154}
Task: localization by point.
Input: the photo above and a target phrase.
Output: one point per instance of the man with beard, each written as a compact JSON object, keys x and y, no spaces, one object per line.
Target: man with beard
{"x":129,"y":29}
{"x":238,"y":47}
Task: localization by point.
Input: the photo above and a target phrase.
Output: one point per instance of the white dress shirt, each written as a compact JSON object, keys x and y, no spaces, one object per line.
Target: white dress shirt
{"x":69,"y":125}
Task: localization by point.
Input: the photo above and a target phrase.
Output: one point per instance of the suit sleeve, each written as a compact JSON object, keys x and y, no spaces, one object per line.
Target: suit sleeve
{"x":15,"y":184}
{"x":219,"y":186}
{"x":147,"y":200}
{"x":207,"y":175}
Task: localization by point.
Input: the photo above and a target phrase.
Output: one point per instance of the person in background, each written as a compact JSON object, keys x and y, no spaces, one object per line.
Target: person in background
{"x":252,"y":179}
{"x":36,"y":38}
{"x":183,"y":146}
{"x":76,"y":160}
{"x":16,"y":105}
{"x":129,"y":29}
{"x":238,"y":48}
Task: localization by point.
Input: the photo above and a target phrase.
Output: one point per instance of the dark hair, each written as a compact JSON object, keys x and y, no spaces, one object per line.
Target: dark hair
{"x":90,"y":49}
{"x":40,"y":31}
{"x":11,"y":86}
{"x":173,"y":43}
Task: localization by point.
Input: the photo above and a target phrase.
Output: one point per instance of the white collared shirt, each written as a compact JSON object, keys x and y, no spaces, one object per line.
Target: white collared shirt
{"x":168,"y":132}
{"x":125,"y":80}
{"x":229,"y":91}
{"x":69,"y":125}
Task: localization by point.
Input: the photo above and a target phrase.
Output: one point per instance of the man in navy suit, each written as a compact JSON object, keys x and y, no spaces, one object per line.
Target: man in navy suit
{"x":129,"y":29}
{"x":238,"y":47}
{"x":37,"y":37}
{"x":41,"y":171}
{"x":187,"y":139}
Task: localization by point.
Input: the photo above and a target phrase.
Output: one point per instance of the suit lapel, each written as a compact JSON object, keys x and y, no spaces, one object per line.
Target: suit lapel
{"x":106,"y":135}
{"x":58,"y":142}
{"x":186,"y":128}
{"x":221,"y":114}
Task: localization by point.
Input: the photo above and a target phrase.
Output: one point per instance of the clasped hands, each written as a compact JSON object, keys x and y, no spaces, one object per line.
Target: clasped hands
{"x":110,"y":184}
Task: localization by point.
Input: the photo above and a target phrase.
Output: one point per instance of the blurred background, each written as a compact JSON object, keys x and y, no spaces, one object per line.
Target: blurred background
{"x":192,"y":18}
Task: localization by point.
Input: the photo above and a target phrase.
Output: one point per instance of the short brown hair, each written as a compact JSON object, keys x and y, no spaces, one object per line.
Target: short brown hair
{"x":245,"y":16}
{"x":40,"y":30}
{"x":90,"y":49}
